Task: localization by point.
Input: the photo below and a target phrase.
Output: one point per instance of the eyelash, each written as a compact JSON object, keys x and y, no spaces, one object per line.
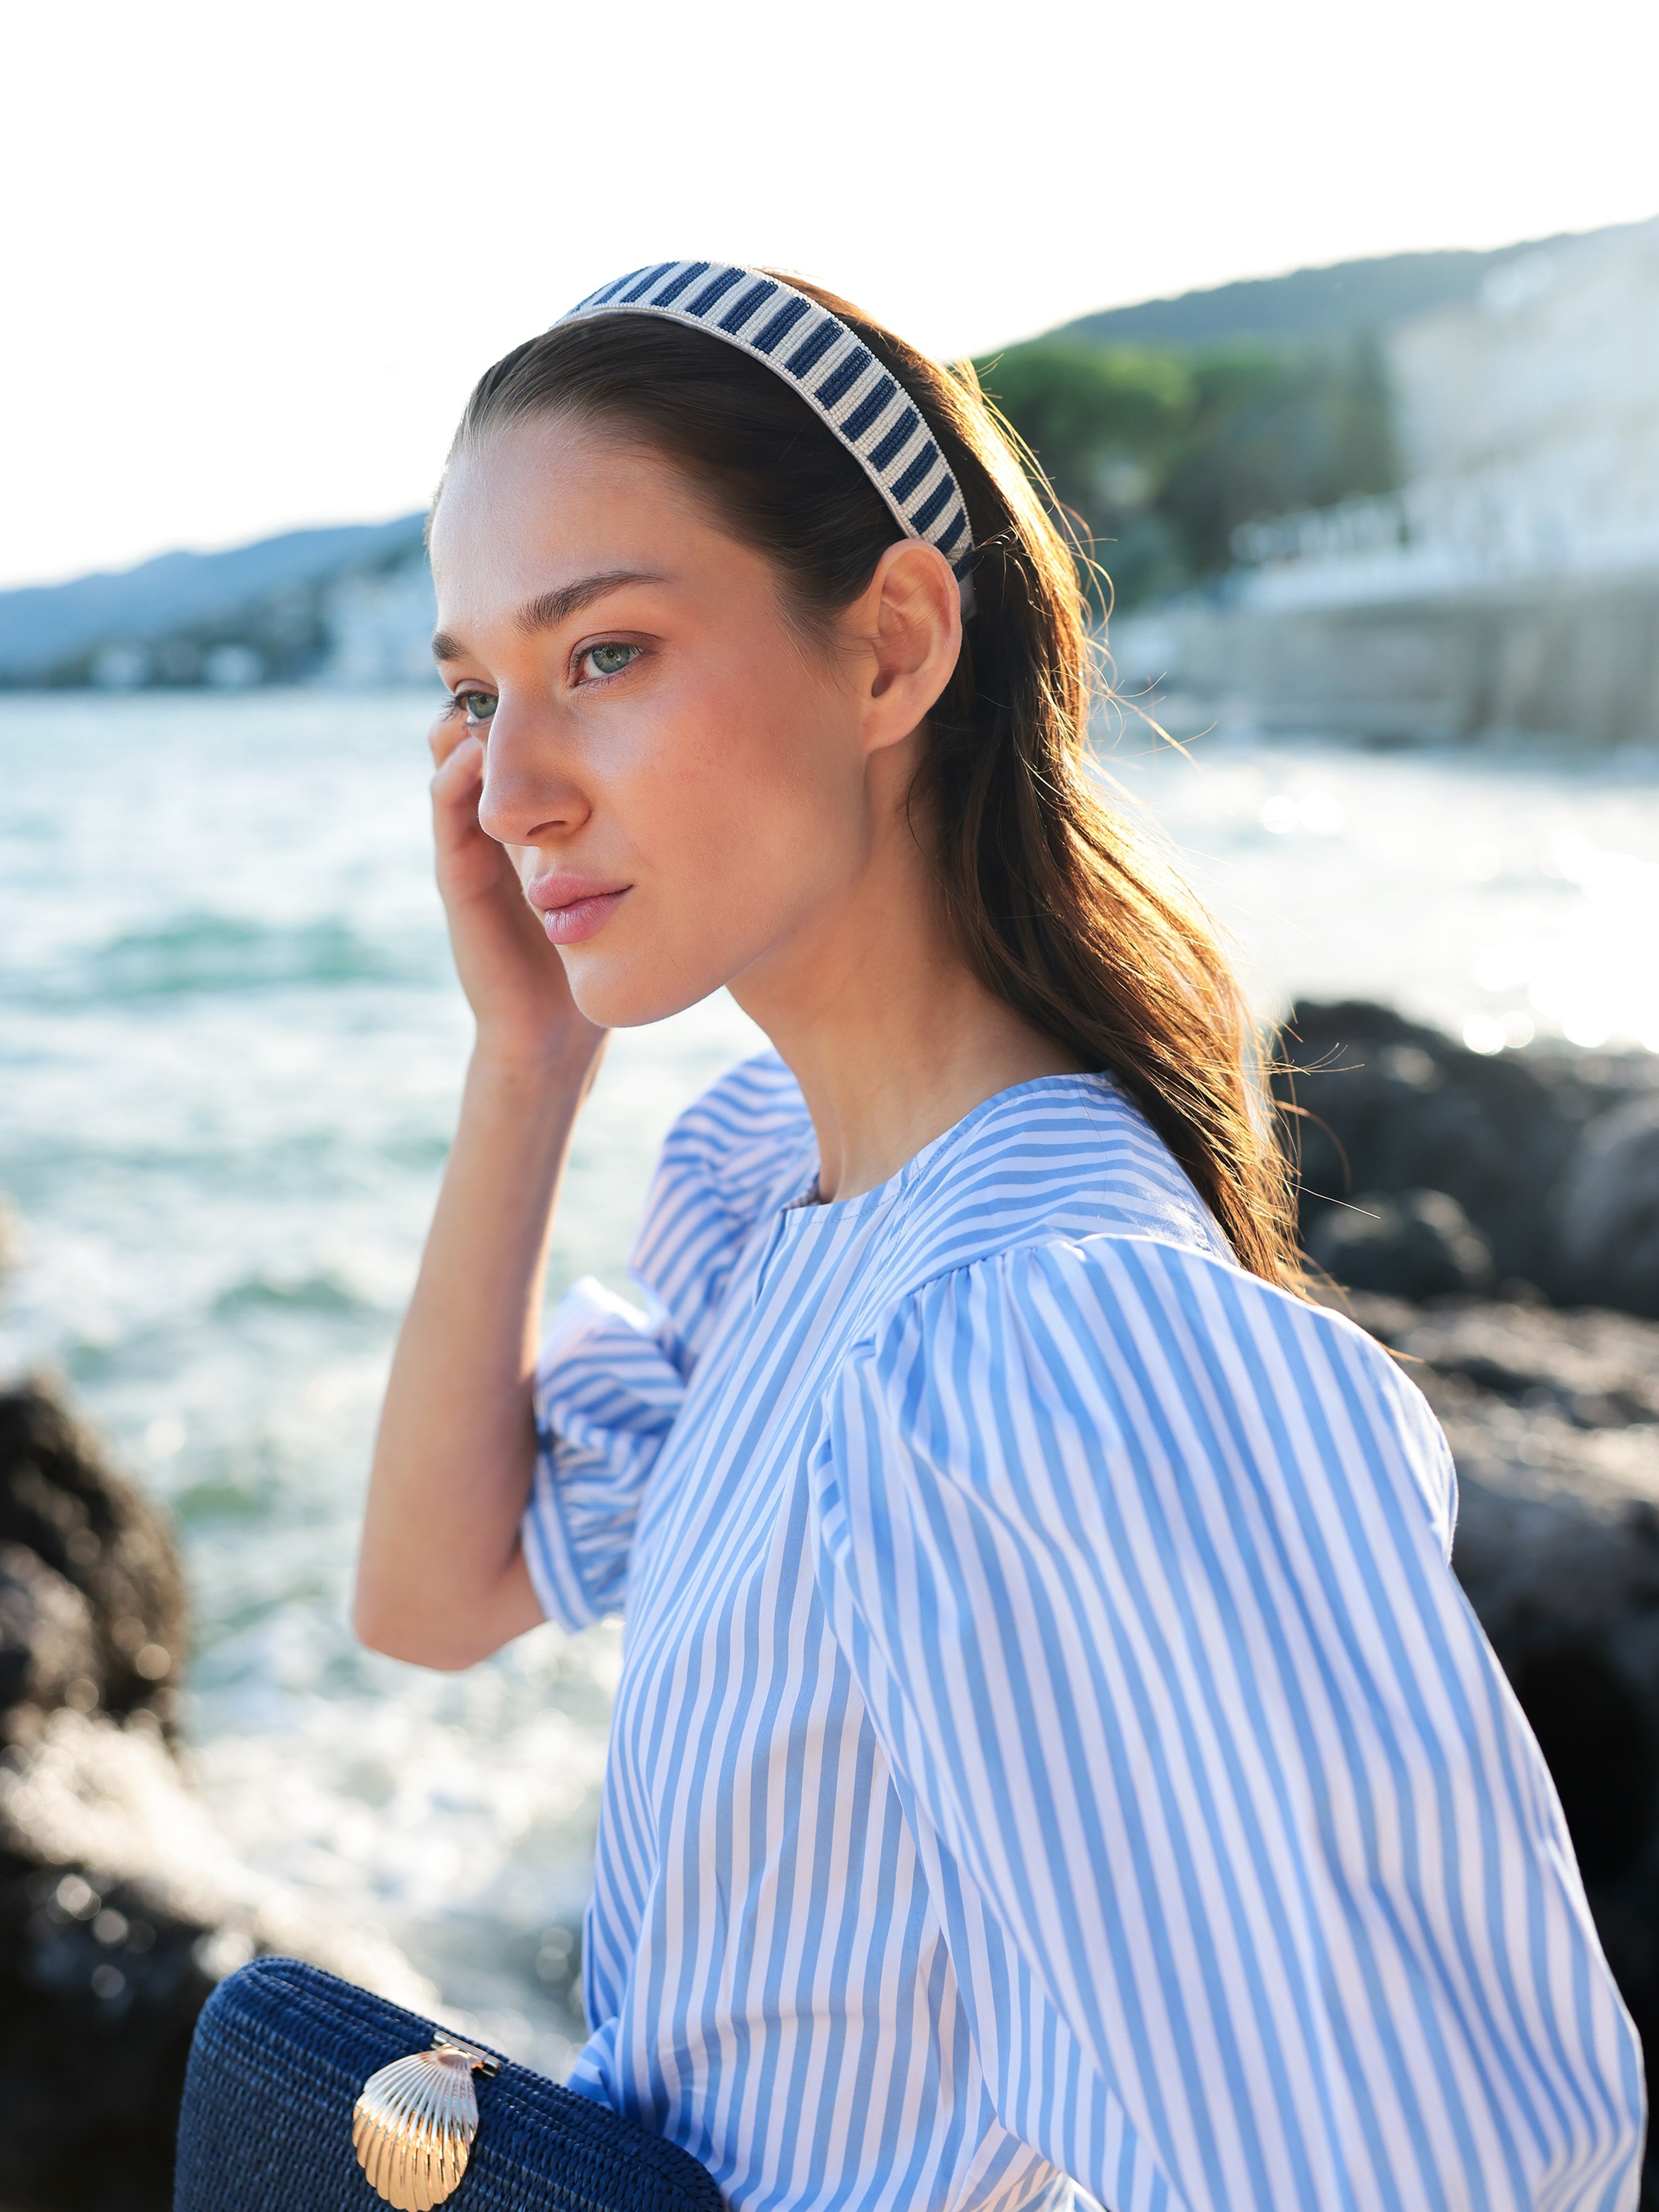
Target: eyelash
{"x":458,"y":700}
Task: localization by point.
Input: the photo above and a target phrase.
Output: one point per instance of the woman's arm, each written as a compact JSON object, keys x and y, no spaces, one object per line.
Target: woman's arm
{"x":441,"y":1578}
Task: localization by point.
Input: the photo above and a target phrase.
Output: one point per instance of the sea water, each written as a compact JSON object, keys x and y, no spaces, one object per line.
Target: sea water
{"x":230,"y":1048}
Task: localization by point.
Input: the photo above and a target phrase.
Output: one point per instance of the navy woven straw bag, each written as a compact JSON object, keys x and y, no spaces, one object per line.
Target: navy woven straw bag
{"x":282,"y":2056}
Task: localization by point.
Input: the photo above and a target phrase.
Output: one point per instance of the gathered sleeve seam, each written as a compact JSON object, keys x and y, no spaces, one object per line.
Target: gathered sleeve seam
{"x":550,"y":1556}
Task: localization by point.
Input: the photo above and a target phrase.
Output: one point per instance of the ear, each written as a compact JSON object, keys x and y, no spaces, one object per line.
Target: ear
{"x":909,"y":619}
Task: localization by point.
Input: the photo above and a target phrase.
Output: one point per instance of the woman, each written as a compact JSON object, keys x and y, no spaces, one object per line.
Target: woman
{"x":1051,"y":1747}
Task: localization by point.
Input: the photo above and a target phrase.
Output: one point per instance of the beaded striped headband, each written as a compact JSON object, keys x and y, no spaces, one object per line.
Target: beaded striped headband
{"x":833,"y":370}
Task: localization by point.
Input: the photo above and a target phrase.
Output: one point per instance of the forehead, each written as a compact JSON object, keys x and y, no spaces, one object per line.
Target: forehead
{"x":541,"y":500}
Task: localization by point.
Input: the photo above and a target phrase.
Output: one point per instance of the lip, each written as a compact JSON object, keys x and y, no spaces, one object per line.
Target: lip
{"x":573,"y":909}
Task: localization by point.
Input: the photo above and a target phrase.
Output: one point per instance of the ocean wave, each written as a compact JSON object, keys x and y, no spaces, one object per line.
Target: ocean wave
{"x":214,"y":952}
{"x":323,"y":1293}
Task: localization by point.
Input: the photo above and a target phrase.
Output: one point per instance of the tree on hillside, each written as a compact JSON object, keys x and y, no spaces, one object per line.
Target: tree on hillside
{"x":1100,"y":420}
{"x":1085,"y":410}
{"x":1272,"y":431}
{"x":1161,"y":455}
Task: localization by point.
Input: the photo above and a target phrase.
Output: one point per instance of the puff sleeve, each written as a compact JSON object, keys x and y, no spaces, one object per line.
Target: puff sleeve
{"x":612,"y":1376}
{"x":1254,"y":1880}
{"x":606,"y":1392}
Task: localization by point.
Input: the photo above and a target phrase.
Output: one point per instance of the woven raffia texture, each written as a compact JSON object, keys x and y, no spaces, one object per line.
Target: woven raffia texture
{"x":281,"y":2050}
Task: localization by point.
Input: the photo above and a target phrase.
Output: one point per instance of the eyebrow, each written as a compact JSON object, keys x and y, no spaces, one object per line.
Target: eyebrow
{"x":552,"y":608}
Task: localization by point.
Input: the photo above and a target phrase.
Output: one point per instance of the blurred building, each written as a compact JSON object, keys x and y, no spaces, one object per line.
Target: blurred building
{"x":379,"y":625}
{"x":1512,"y":583}
{"x":347,"y":604}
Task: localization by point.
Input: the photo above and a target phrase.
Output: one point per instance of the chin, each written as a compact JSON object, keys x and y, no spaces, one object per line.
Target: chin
{"x":626,"y":991}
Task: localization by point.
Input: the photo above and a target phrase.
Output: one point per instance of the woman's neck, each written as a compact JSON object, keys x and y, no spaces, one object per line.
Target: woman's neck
{"x":890,"y":1035}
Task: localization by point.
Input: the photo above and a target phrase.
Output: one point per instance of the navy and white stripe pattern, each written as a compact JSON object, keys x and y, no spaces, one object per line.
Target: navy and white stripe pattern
{"x":1051,"y":1746}
{"x":832,"y":369}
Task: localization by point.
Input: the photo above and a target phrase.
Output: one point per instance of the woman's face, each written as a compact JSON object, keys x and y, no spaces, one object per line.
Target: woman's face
{"x":682,"y":780}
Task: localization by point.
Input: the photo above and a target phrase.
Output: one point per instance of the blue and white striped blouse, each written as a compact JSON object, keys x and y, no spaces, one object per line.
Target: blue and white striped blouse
{"x":1050,"y":1741}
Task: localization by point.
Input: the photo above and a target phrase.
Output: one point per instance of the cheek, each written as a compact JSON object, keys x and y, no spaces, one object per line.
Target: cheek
{"x":744,"y":815}
{"x":756,"y":797}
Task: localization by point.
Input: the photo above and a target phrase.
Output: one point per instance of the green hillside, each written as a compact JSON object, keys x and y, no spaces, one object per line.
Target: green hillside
{"x":1163,"y":426}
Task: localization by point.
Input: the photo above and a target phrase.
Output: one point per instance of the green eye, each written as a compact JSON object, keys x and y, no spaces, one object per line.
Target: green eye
{"x":479,"y":705}
{"x":610,"y":659}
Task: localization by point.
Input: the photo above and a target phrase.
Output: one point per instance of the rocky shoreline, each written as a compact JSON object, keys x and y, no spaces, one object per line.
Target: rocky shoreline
{"x":121,"y":1906}
{"x":1427,"y":1170}
{"x":1495,"y":1222}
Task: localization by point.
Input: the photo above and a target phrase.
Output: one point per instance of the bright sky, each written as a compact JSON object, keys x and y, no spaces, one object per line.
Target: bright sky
{"x":256,"y":255}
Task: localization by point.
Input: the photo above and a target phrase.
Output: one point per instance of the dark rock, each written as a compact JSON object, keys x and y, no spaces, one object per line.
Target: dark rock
{"x":96,"y":1536}
{"x":100,"y":1976}
{"x":1552,"y":1155}
{"x":1383,"y":1105}
{"x":121,"y":1906}
{"x":1419,"y":1246}
{"x":48,"y":1640}
{"x":1585,"y":1082}
{"x":100,"y":1988}
{"x":1605,"y":1210}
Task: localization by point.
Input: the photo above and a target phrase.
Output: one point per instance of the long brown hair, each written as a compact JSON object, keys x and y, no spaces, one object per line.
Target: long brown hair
{"x":1059,"y":905}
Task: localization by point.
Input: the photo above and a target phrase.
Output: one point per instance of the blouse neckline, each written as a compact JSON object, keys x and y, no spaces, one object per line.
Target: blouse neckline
{"x":804,"y":1205}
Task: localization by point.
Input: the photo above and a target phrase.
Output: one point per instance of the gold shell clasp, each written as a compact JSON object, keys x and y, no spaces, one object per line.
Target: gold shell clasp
{"x":412,"y":2128}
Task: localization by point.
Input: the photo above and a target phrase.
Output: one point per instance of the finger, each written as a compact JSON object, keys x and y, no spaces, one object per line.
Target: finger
{"x":447,"y":733}
{"x":460,"y":773}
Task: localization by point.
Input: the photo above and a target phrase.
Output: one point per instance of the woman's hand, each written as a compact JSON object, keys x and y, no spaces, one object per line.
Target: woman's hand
{"x":442,"y":1579}
{"x":514,"y":979}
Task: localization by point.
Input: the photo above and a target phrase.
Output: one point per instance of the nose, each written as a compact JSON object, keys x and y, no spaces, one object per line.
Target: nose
{"x":529,"y":792}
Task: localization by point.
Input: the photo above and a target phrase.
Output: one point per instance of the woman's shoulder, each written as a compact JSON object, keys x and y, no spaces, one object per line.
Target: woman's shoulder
{"x":738,"y":1152}
{"x":1056,"y":1159}
{"x":1056,"y":1257}
{"x":1114,"y":1342}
